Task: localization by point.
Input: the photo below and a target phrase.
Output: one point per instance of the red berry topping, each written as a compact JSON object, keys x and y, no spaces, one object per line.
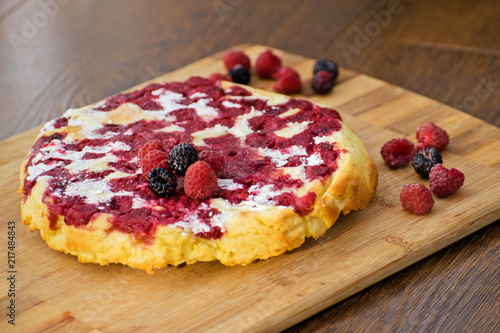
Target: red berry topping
{"x":233,"y":58}
{"x":397,"y":153}
{"x":267,"y":65}
{"x":444,"y":182}
{"x":322,"y":82}
{"x":154,"y":159}
{"x":214,"y":77}
{"x":200,"y":181}
{"x":288,"y":81}
{"x":416,"y":198}
{"x":430,"y":135}
{"x":148,"y":147}
{"x":214,"y":159}
{"x":171,"y":140}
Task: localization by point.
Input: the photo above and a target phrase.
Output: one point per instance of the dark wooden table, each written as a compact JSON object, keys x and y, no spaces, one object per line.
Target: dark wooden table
{"x":56,"y":54}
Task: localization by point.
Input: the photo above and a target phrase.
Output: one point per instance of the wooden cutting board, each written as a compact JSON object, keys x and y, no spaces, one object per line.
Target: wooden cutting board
{"x":55,"y":292}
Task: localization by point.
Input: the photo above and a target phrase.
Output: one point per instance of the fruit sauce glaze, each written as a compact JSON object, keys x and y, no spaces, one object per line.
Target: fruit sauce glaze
{"x":263,"y":143}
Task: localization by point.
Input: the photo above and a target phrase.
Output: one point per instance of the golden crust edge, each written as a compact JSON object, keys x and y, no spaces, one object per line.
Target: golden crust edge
{"x":272,"y":234}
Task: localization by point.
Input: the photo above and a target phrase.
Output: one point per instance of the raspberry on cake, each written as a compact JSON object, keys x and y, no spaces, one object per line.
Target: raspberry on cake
{"x":200,"y":181}
{"x":153,"y":159}
{"x":148,"y":147}
{"x":273,"y":171}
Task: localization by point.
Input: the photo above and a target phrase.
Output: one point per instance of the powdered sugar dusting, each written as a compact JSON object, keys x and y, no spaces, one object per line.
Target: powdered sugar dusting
{"x":281,"y":157}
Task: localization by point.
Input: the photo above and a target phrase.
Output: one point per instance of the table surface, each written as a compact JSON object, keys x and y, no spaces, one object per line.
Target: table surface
{"x":56,"y":54}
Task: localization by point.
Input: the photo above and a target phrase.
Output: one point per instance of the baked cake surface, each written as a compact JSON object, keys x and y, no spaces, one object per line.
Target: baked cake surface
{"x":291,"y":168}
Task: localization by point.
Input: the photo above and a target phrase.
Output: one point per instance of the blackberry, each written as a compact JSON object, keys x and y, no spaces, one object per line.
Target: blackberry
{"x":322,"y":82}
{"x":162,"y":182}
{"x":181,"y":157}
{"x":425,"y":159}
{"x":326,"y":65}
{"x":239,"y":74}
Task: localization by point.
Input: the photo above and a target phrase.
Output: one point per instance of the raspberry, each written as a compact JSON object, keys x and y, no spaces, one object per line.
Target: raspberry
{"x":181,"y":157}
{"x":267,"y":65}
{"x":444,"y":182}
{"x":424,"y":160}
{"x":214,"y":77}
{"x":154,"y":159}
{"x":149,"y":146}
{"x":288,"y":81}
{"x":430,"y":135}
{"x":214,"y":159}
{"x":162,"y":182}
{"x":200,"y":181}
{"x":326,"y":65}
{"x":322,"y":82}
{"x":239,"y":74}
{"x":416,"y":198}
{"x":233,"y":58}
{"x":397,"y":153}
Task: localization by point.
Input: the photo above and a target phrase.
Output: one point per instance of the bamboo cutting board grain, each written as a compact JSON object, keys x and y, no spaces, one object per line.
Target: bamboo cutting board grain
{"x":54,"y":292}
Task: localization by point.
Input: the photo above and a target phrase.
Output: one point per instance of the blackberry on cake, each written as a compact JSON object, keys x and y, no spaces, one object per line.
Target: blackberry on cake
{"x":162,"y":182}
{"x":181,"y":157}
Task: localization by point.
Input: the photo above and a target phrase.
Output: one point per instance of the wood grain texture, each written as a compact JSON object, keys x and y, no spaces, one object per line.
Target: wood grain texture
{"x":83,"y":51}
{"x":360,"y":250}
{"x":446,"y":51}
{"x":464,"y":300}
